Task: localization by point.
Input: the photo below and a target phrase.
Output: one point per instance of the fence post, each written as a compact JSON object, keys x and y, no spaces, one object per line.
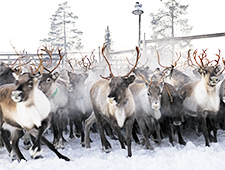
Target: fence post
{"x":144,"y":48}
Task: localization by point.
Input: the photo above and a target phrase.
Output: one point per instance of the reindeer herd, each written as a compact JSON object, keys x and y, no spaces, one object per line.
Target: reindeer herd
{"x":144,"y":103}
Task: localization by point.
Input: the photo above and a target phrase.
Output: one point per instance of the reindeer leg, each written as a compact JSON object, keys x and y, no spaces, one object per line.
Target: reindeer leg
{"x":100,"y":121}
{"x":202,"y":124}
{"x":120,"y":136}
{"x":88,"y":123}
{"x":134,"y":133}
{"x":36,"y":148}
{"x":79,"y":128}
{"x":5,"y":140}
{"x":71,"y":136}
{"x":15,"y":140}
{"x":129,"y":126}
{"x":213,"y":122}
{"x":52,"y":147}
{"x":109,"y":131}
{"x":180,"y":138}
{"x":145,"y":133}
{"x":62,"y":140}
{"x":55,"y":130}
{"x":169,"y":130}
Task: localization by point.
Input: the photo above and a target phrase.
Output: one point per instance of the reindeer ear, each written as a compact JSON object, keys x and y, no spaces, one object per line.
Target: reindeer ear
{"x":38,"y":75}
{"x":161,"y":85}
{"x":16,"y":76}
{"x":69,"y":73}
{"x":86,"y":75}
{"x":218,"y":68}
{"x":55,"y":75}
{"x":130,"y":79}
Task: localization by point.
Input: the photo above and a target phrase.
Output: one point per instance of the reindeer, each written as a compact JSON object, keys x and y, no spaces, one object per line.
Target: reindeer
{"x":165,"y":103}
{"x":113,"y":102}
{"x":172,"y":75}
{"x":57,"y":93}
{"x":80,"y":106}
{"x":24,"y":107}
{"x":201,"y":98}
{"x":147,"y":109}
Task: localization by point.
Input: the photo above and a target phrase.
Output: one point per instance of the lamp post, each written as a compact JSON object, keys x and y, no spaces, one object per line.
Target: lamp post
{"x":138,"y":11}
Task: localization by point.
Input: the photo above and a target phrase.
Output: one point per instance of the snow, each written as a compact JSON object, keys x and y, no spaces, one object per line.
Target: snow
{"x":193,"y":156}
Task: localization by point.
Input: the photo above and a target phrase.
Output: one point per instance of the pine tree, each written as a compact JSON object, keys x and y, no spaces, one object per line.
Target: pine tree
{"x":108,"y":39}
{"x":63,"y":32}
{"x":170,"y":22}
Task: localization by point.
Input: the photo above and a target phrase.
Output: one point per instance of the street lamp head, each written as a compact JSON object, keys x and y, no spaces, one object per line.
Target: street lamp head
{"x":137,"y":9}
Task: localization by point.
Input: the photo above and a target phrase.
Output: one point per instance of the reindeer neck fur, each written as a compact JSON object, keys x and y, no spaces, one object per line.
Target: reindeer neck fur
{"x":206,"y":97}
{"x":122,"y":110}
{"x":143,"y":106}
{"x":31,"y":112}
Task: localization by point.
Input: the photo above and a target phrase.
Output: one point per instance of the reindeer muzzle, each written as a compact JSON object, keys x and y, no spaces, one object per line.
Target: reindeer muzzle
{"x":70,"y":87}
{"x":213,"y":80}
{"x":17,"y":96}
{"x":156,"y":106}
{"x":111,"y":100}
{"x":223,"y":99}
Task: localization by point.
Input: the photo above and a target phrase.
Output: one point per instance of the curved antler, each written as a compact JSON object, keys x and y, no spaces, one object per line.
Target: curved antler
{"x":60,"y":59}
{"x":49,"y":52}
{"x":138,"y":57}
{"x":109,"y":65}
{"x":159,"y":61}
{"x":149,"y":83}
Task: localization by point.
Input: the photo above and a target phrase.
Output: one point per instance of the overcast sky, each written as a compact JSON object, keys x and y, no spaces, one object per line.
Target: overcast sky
{"x":25,"y":22}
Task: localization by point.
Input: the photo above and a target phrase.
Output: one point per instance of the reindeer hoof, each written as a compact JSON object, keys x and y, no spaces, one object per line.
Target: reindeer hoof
{"x":13,"y":155}
{"x":106,"y":150}
{"x":59,"y":145}
{"x":36,"y":153}
{"x":87,"y":146}
{"x":27,"y":146}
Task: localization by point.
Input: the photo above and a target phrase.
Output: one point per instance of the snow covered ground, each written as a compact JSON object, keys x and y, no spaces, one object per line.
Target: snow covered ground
{"x":193,"y":156}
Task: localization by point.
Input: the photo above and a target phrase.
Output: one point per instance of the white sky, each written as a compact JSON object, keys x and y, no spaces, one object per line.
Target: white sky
{"x":25,"y":22}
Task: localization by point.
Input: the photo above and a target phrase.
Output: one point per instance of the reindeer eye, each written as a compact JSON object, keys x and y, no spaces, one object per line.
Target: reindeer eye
{"x":48,"y":80}
{"x":148,"y":93}
{"x":124,"y":86}
{"x":30,"y":84}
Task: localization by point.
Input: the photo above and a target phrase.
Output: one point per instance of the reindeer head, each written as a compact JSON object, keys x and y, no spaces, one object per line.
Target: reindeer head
{"x":47,"y":83}
{"x":76,"y":80}
{"x":119,"y":85}
{"x":208,"y":72}
{"x":155,"y":88}
{"x":25,"y":85}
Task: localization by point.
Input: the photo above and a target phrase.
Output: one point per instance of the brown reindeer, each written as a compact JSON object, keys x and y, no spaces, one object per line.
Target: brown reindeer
{"x":24,"y":107}
{"x":113,"y":102}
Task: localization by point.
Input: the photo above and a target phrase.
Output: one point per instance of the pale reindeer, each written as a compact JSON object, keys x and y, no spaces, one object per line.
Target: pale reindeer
{"x":57,"y":93}
{"x":201,"y":98}
{"x":113,"y":102}
{"x":24,"y":107}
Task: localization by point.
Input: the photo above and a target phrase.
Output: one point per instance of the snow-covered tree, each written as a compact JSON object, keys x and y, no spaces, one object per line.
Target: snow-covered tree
{"x":169,"y":22}
{"x":63,"y":32}
{"x":108,"y":39}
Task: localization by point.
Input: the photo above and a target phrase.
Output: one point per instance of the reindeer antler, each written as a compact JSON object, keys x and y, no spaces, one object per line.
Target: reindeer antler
{"x":138,"y":57}
{"x":60,"y":59}
{"x":149,"y":83}
{"x":110,"y":70}
{"x":159,"y":61}
{"x":49,"y":52}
